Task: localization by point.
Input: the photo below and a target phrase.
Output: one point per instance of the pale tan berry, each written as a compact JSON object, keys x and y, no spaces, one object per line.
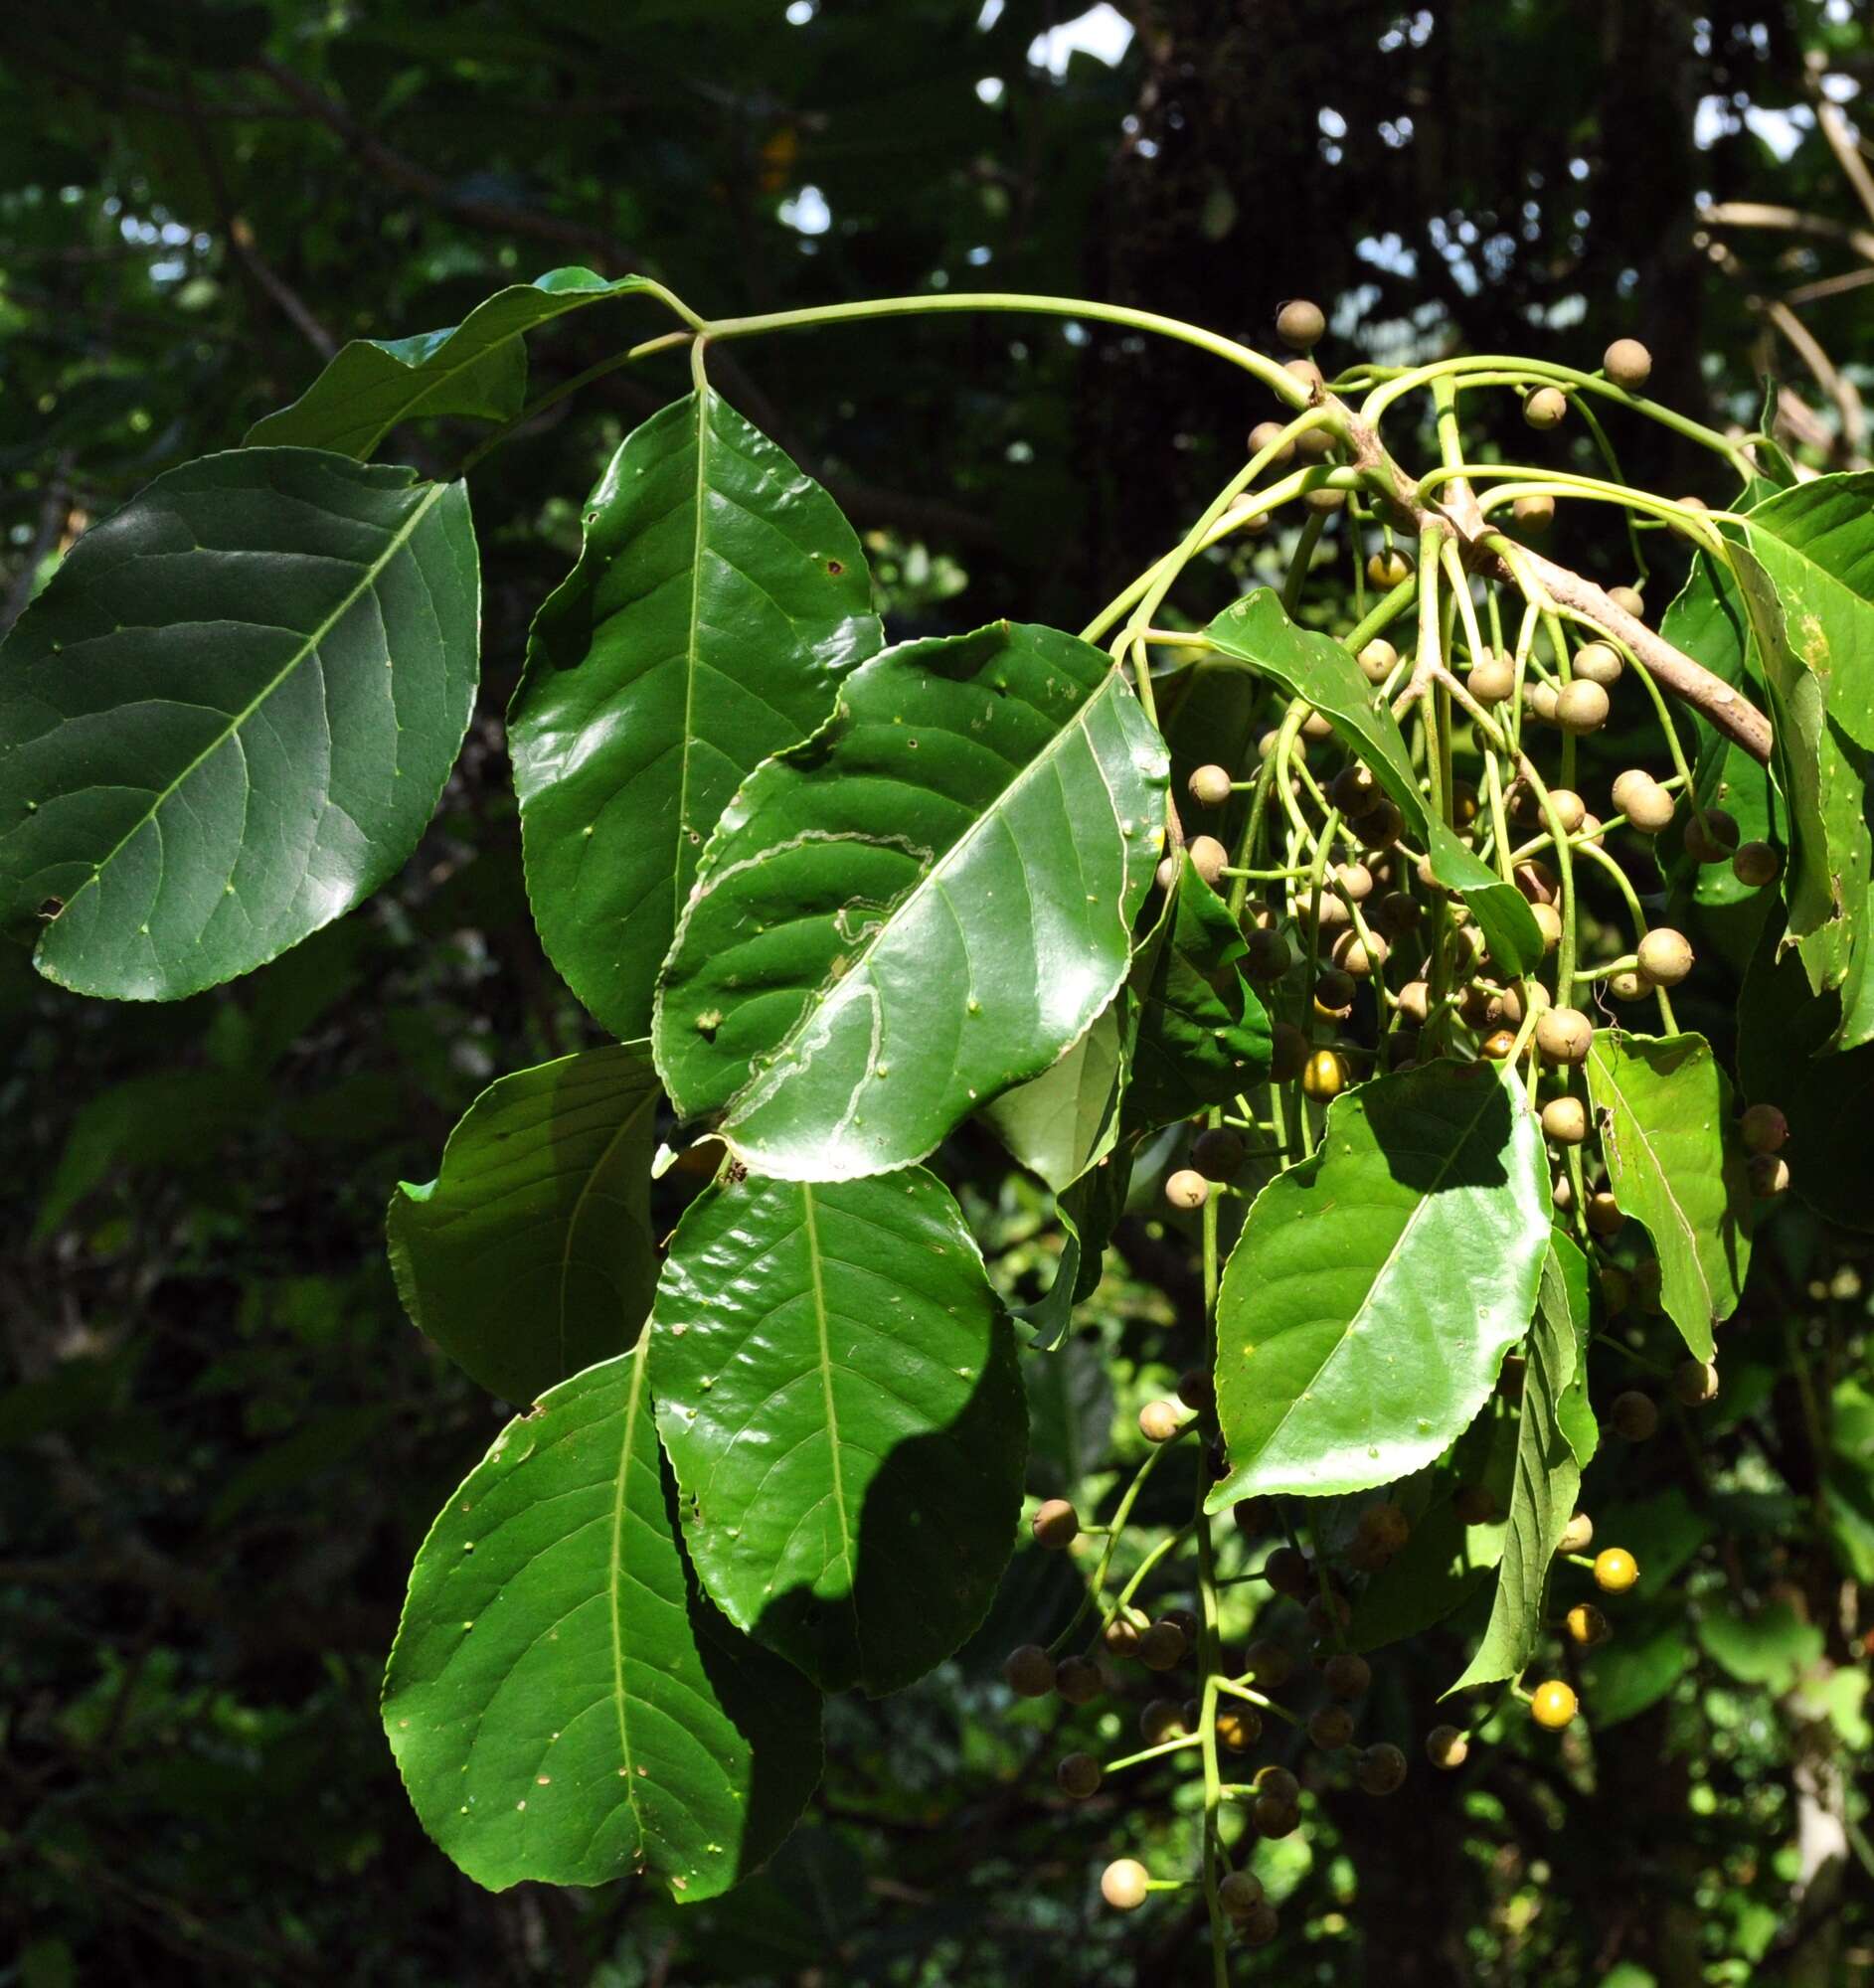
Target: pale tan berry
{"x":1644,"y":802}
{"x":1300,"y":324}
{"x":1628,"y":364}
{"x":1545,"y":407}
{"x":1580,"y":707}
{"x":1564,"y":1034}
{"x":1492,"y":681}
{"x":1378,"y":660}
{"x":1447,"y":1748}
{"x":1535,"y":513}
{"x":1187,"y":1189}
{"x":1208,"y":857}
{"x":1628,"y":600}
{"x":1605,"y":1215}
{"x":1579,"y":1534}
{"x":1210,"y":786}
{"x":1159,"y":1421}
{"x":1264,"y":435}
{"x":1125,"y":1883}
{"x":1598,"y":662}
{"x":1665,"y":956}
{"x":1056,"y":1524}
{"x":1565,"y":1120}
{"x":1568,"y":807}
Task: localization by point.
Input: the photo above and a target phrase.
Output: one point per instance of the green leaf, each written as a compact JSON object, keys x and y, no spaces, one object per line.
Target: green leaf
{"x":1374,"y":1291}
{"x":1663,"y":1105}
{"x":1546,"y":1481}
{"x":477,"y":368}
{"x":717,"y":601}
{"x":1202,"y":1036}
{"x":1088,"y":1211}
{"x":1574,"y":1412}
{"x":837,"y":1388}
{"x":1070,"y":1416}
{"x":563,"y":1702}
{"x":1058,"y":1125}
{"x":1634,"y":1672}
{"x":1768,"y":1649}
{"x":1444,"y":1562}
{"x":227,"y":717}
{"x":1817,"y":543}
{"x":530,"y":1257}
{"x":1256,"y":631}
{"x":1822,"y":774}
{"x":925,"y":903}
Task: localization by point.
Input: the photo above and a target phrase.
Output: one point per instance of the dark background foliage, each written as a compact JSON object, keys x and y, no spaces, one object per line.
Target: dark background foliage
{"x":220,"y":1439}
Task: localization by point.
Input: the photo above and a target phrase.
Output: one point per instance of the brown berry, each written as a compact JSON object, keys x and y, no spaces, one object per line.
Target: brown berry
{"x":1264,"y":434}
{"x":1288,"y":1051}
{"x":1161,"y":1647}
{"x":1535,"y":513}
{"x":1755,"y":864}
{"x":1580,"y":707}
{"x":1122,"y":1636}
{"x":1160,"y":1719}
{"x":1587,"y":1625}
{"x":1770,"y":1175}
{"x":1267,"y":956}
{"x":1196,"y":1390}
{"x":1288,"y":1572}
{"x":1385,"y":1525}
{"x":1711,"y":836}
{"x":1333,"y":991}
{"x":1270,"y":1663}
{"x":1079,"y":1776}
{"x":1628,"y":364}
{"x":1345,"y":1675}
{"x":1564,"y":1034}
{"x":1238,"y":1894}
{"x":1763,"y":1128}
{"x":1239,"y":1728}
{"x":1447,"y":1748}
{"x":1056,"y":1524}
{"x":1695,"y":1381}
{"x":1331,"y":1727}
{"x":1381,"y":1769}
{"x":1475,"y":1505}
{"x":1301,"y":325}
{"x":1217,"y":1153}
{"x":1078,"y":1680}
{"x":1633,"y":1415}
{"x":1029,"y":1670}
{"x":1275,"y":1818}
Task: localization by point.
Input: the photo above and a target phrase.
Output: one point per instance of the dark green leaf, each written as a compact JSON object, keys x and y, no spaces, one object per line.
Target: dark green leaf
{"x":925,"y":903}
{"x":1574,"y":1412}
{"x":1059,"y":1123}
{"x":1543,"y":1490}
{"x":1665,"y":1109}
{"x":718,"y":602}
{"x":563,"y":1702}
{"x":227,"y":717}
{"x":1202,"y":1036}
{"x":1256,"y":631}
{"x":477,"y":368}
{"x":1369,"y":1301}
{"x":837,"y":1390}
{"x":530,"y":1257}
{"x":1087,"y":1212}
{"x":1070,"y":1416}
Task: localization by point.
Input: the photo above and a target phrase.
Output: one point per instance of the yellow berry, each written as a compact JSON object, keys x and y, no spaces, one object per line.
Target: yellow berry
{"x":1615,"y":1569}
{"x":1554,"y":1704}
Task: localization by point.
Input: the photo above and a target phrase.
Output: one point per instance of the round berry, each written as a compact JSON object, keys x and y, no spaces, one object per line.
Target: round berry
{"x":1078,"y":1680}
{"x":1196,"y":1390}
{"x":1587,"y":1625}
{"x":1378,"y":660}
{"x":1492,"y":681}
{"x":1187,"y":1189}
{"x":1711,"y":836}
{"x":1278,"y":1784}
{"x":1628,"y":364}
{"x":1288,"y":1051}
{"x":1599,"y":663}
{"x":1217,"y":1153}
{"x":1125,"y":1883}
{"x":1300,"y":324}
{"x":1270,"y":1663}
{"x":1562,"y":1034}
{"x":1159,"y":1421}
{"x":1535,"y":513}
{"x":1615,"y":1569}
{"x":1288,"y":1572}
{"x":1755,"y":864}
{"x":1565,"y":1120}
{"x":1389,"y":569}
{"x":1380,"y":1768}
{"x":1208,"y":857}
{"x":1359,"y":958}
{"x":1238,"y":1894}
{"x":1262,"y":1924}
{"x":1239,"y":1728}
{"x":1447,"y":1748}
{"x":1353,"y":789}
{"x":1345,"y":1675}
{"x":1539,"y":702}
{"x":1666,"y":958}
{"x":1160,"y":1719}
{"x":1275,"y":1818}
{"x":1549,"y":925}
{"x":1545,"y":407}
{"x":1122,"y":1636}
{"x":1768,"y":1174}
{"x":1029,"y":1670}
{"x":1763,"y":1128}
{"x":1628,"y":600}
{"x":1264,"y":434}
{"x":1695,"y":1381}
{"x":1580,"y":707}
{"x":1629,"y":986}
{"x":1579,"y":1534}
{"x":1305,"y":371}
{"x":1054,"y":1525}
{"x":1210,"y":786}
{"x":1325,"y":1075}
{"x":1268,"y":958}
{"x":1553,"y":1704}
{"x":1633,"y":1415}
{"x":1475,"y":1505}
{"x":1324,"y":497}
{"x":1333,"y":990}
{"x":1161,"y":1647}
{"x":1644,"y":802}
{"x":1328,"y":1614}
{"x":1384,"y":1525}
{"x":1079,"y":1776}
{"x":1568,"y":807}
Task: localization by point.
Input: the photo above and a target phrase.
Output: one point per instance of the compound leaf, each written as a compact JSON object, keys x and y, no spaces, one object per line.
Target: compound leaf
{"x":719,"y":600}
{"x":1374,"y":1291}
{"x":530,"y":1257}
{"x":926,"y":902}
{"x":227,"y":717}
{"x":563,"y":1702}
{"x":837,"y":1388}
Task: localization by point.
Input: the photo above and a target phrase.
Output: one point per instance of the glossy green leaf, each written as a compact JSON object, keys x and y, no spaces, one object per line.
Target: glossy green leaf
{"x":1444,"y":1562}
{"x":1663,"y":1105}
{"x":1374,"y":1291}
{"x":1087,"y":1212}
{"x":227,"y":717}
{"x":1544,"y":1487}
{"x":837,"y":1388}
{"x":718,"y":602}
{"x":1313,"y":666}
{"x":1783,"y":1033}
{"x":1817,"y":543}
{"x":1202,"y":1036}
{"x":563,"y":1702}
{"x":530,"y":1257}
{"x":1822,"y":774}
{"x":1059,"y":1123}
{"x":925,"y":903}
{"x":477,"y":368}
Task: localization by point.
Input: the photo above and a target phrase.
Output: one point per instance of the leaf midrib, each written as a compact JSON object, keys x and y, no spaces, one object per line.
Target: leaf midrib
{"x":692,"y":658}
{"x":615,"y":1582}
{"x":762,"y":1083}
{"x":811,"y":1228}
{"x":645,"y":1100}
{"x":1385,"y":1263}
{"x":366,"y":582}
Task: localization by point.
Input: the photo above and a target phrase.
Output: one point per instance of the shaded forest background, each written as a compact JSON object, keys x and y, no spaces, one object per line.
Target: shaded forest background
{"x":220,"y":1439}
